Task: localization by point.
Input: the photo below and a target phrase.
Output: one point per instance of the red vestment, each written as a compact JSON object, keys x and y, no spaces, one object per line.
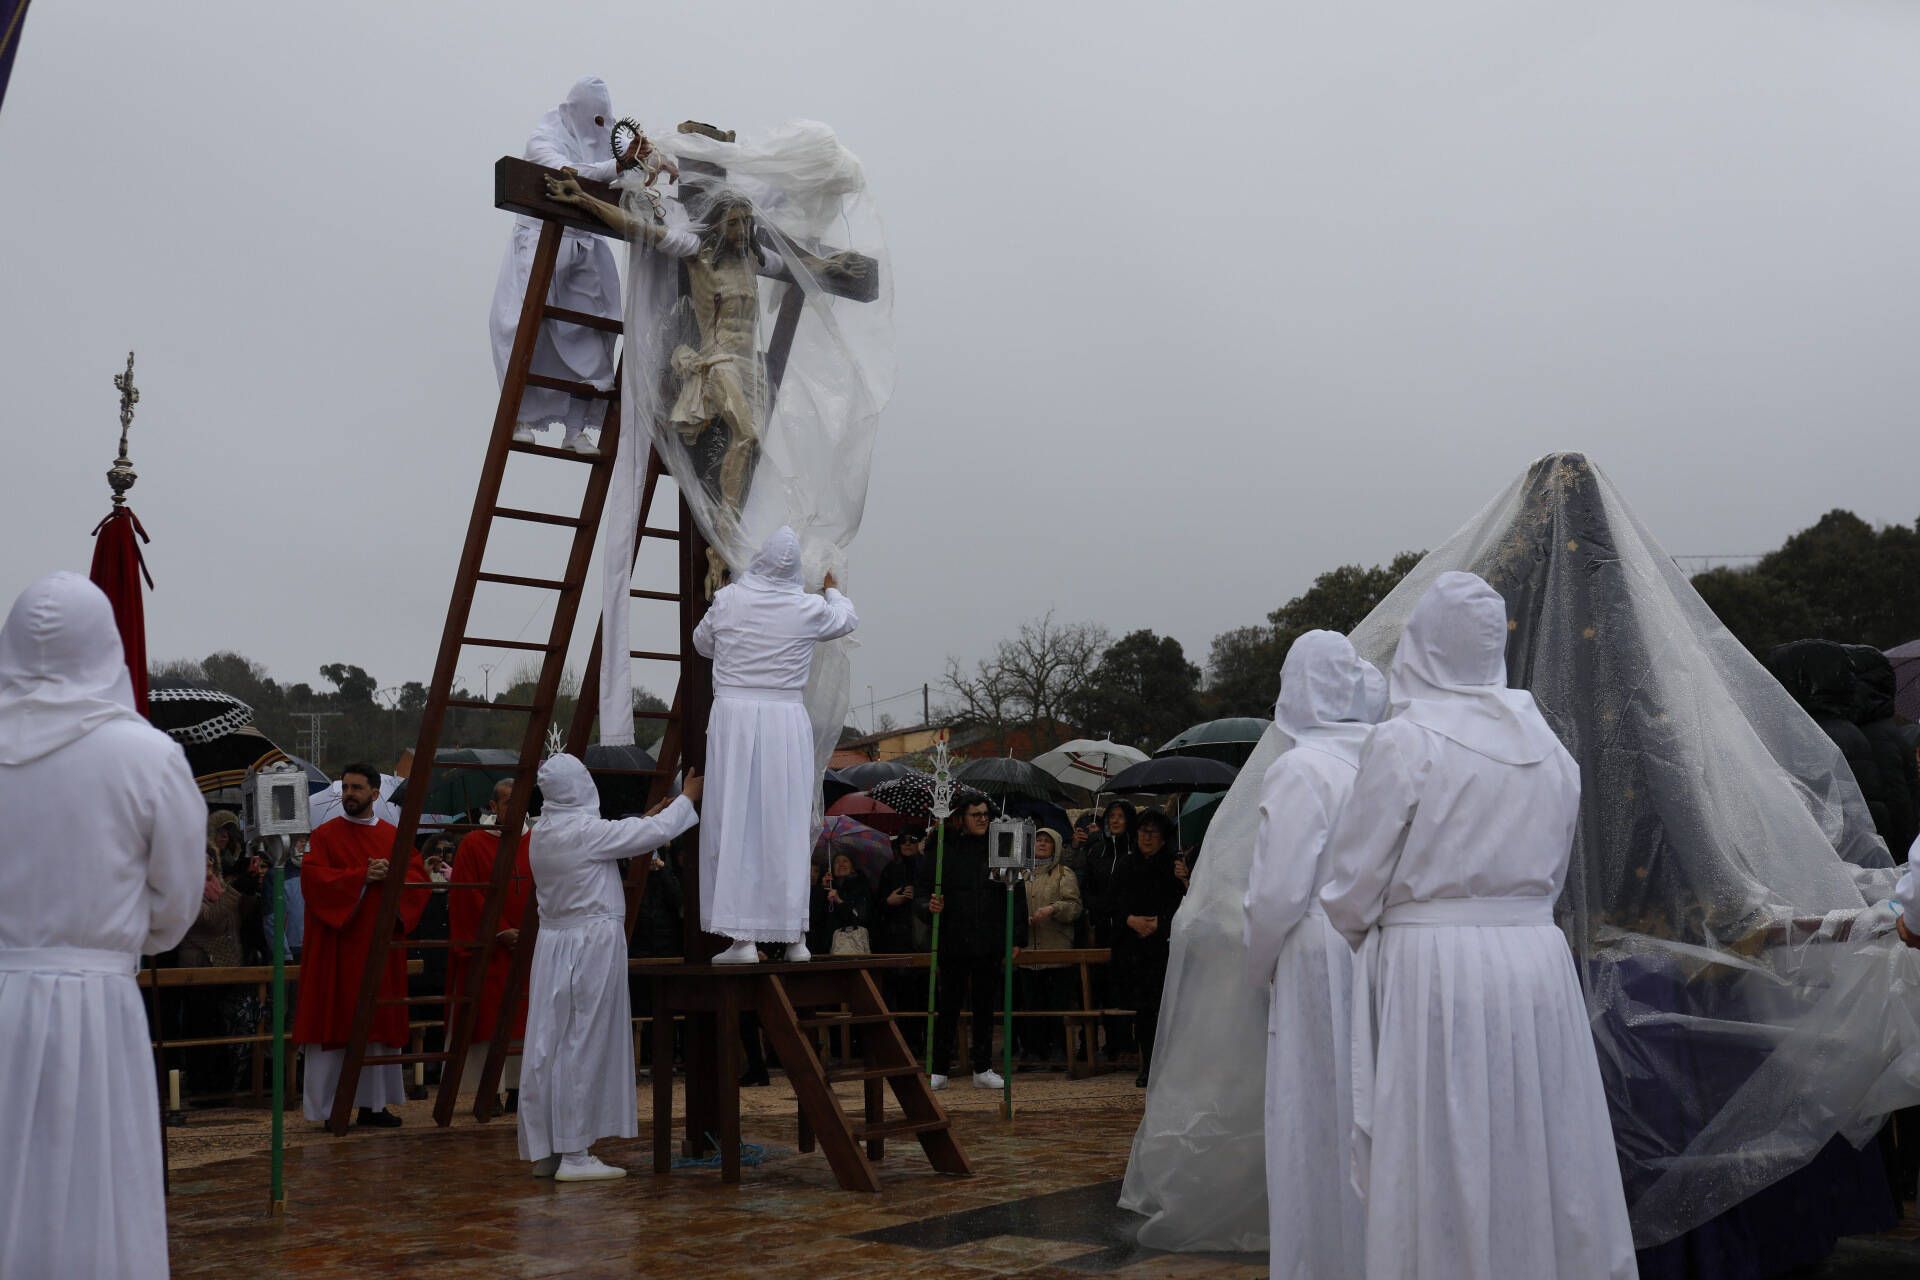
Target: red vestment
{"x":473,"y":864}
{"x":340,"y":910}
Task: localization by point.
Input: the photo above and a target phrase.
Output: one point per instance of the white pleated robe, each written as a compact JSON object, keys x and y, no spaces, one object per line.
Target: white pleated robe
{"x":1482,"y":1140}
{"x":756,"y":830}
{"x":102,"y":860}
{"x":1329,"y":700}
{"x":576,"y":1071}
{"x":585,"y":278}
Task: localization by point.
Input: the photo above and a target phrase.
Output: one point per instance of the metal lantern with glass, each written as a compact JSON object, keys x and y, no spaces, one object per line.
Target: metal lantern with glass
{"x":274,"y":815}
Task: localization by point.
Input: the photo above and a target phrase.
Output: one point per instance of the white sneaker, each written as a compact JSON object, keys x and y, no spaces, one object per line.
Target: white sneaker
{"x":545,"y":1168}
{"x":585,"y":1167}
{"x":989,"y":1080}
{"x":937,"y":1082}
{"x":581,"y":445}
{"x":739,"y":953}
{"x":523,"y":433}
{"x":798,"y":953}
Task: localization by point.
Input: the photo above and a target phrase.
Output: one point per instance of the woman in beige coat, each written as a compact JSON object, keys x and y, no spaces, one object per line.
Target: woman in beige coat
{"x":1053,"y":905}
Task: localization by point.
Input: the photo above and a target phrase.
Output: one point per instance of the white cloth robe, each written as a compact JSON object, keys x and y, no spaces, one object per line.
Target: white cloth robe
{"x":585,"y":278}
{"x":102,"y":860}
{"x":756,"y":830}
{"x":1316,"y":1220}
{"x":1491,"y":1153}
{"x":576,"y":1075}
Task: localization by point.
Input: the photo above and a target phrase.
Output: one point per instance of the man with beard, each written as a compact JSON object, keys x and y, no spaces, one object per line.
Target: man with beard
{"x":346,"y":862}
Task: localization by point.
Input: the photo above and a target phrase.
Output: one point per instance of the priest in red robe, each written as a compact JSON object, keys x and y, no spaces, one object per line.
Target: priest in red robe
{"x":340,"y":880}
{"x":473,"y":865}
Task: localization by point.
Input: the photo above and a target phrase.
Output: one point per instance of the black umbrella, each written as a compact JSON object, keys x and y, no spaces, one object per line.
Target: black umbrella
{"x":1167,"y":774}
{"x":913,"y":795}
{"x":470,"y":786}
{"x":1232,"y":739}
{"x":620,"y":793}
{"x":834,"y":785}
{"x":867,"y":776}
{"x":1005,"y":778}
{"x":216,"y":730}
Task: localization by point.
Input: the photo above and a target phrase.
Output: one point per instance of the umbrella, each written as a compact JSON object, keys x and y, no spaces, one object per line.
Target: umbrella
{"x":462,"y":789}
{"x":1005,"y":778}
{"x":620,"y":793}
{"x":1906,"y":677}
{"x":216,"y":730}
{"x":867,"y":776}
{"x":913,"y":794}
{"x":1196,"y":816}
{"x":834,"y":785}
{"x":1167,"y":774}
{"x":1231,"y":739}
{"x":879,"y":816}
{"x":1087,"y":763}
{"x":869,"y":849}
{"x":317,"y":779}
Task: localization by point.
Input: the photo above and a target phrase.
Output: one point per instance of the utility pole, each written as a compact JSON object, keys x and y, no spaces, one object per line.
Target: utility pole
{"x":316,"y":731}
{"x":926,"y":704}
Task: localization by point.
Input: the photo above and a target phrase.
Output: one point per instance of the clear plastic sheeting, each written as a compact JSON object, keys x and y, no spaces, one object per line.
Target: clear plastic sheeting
{"x":1726,"y":899}
{"x":759,"y":357}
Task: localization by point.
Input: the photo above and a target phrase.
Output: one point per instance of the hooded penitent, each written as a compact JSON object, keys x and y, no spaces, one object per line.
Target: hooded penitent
{"x":1715,"y":814}
{"x":102,"y":860}
{"x":1329,"y":700}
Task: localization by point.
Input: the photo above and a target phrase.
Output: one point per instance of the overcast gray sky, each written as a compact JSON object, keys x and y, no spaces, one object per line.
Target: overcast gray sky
{"x":1193,"y":301}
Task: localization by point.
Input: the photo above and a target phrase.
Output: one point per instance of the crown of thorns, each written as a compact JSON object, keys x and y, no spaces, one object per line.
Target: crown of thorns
{"x":625,"y":130}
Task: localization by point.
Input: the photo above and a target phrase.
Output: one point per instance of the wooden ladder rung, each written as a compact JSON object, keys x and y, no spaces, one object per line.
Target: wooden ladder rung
{"x":845,"y":1074}
{"x":553,"y":451}
{"x":535,"y":517}
{"x":658,"y":655}
{"x":848,"y":1019}
{"x":650,"y":531}
{"x":483,"y":642}
{"x":654,"y":715}
{"x":584,"y":390}
{"x":587,"y":320}
{"x":400,"y":1059}
{"x":890,"y":1128}
{"x":639,"y":593}
{"x":480,"y":704}
{"x":519,"y":580}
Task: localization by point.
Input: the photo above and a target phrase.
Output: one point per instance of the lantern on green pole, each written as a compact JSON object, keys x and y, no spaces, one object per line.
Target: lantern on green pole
{"x":274,"y":816}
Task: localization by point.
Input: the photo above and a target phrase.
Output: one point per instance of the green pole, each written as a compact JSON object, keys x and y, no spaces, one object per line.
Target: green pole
{"x":1006,"y":1021}
{"x":933,"y":962}
{"x":278,"y":1194}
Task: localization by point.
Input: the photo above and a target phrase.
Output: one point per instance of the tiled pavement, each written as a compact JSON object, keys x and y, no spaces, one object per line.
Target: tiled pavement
{"x":422,"y":1201}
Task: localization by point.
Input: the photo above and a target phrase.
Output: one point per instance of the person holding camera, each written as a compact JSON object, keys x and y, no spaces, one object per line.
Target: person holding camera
{"x":972,"y":907}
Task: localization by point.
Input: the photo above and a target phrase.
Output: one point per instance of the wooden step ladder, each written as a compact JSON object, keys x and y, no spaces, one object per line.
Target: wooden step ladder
{"x":794,"y":1003}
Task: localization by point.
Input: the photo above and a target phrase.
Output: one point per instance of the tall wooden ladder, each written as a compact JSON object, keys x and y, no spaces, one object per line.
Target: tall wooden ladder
{"x":519,"y":188}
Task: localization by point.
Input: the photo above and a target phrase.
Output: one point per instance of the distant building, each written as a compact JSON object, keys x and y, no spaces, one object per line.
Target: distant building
{"x":1023,"y":742}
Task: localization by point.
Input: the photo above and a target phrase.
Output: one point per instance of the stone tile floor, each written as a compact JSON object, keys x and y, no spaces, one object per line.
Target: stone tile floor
{"x":424,"y":1201}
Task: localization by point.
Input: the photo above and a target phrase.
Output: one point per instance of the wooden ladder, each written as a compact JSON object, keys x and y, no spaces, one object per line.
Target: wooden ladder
{"x":566,"y":589}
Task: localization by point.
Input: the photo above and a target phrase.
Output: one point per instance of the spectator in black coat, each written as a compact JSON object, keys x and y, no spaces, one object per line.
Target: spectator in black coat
{"x":849,"y":901}
{"x":897,"y":929}
{"x":1147,"y":891}
{"x":1110,"y":844}
{"x":1819,"y":675}
{"x":1893,"y":759}
{"x":972,"y":907}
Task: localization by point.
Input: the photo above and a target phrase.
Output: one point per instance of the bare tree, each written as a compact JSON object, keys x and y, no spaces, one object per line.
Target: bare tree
{"x":1039,"y":674}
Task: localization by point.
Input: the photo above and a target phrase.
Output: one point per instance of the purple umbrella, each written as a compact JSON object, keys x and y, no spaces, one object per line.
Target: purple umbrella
{"x":869,"y":849}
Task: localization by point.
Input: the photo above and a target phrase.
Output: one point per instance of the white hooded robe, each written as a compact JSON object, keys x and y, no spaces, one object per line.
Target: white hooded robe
{"x":576,"y":1073}
{"x":756,"y":833}
{"x":1481,"y":1134}
{"x":584,"y":279}
{"x":1330,"y":698}
{"x":102,"y":860}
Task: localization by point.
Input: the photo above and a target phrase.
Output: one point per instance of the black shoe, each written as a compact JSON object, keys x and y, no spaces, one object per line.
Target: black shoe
{"x":1140,"y":1081}
{"x":382,"y":1119}
{"x":754,"y":1079}
{"x":513,"y":1101}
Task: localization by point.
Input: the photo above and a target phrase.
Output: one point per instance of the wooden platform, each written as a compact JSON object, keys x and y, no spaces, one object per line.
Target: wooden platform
{"x":793,"y":1001}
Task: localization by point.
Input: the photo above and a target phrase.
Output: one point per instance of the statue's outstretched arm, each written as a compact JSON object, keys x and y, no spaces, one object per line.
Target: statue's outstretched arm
{"x":567,"y":190}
